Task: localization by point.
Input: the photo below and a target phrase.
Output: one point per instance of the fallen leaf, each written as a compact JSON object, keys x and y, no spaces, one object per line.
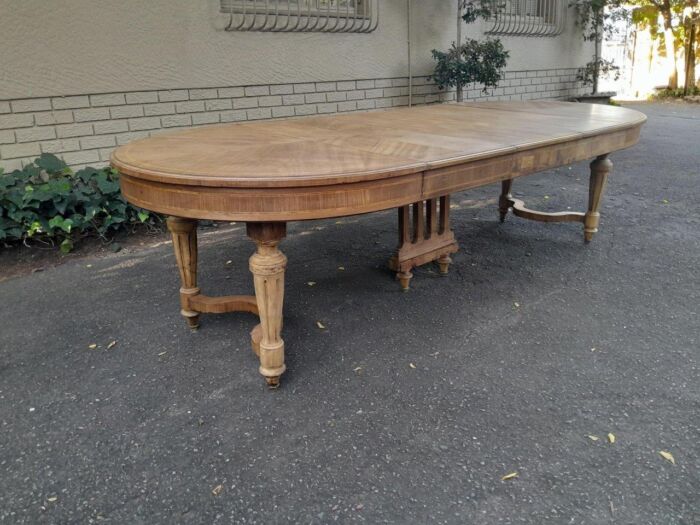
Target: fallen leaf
{"x":111,"y":345}
{"x":510,"y":475}
{"x":217,"y":490}
{"x":593,"y":438}
{"x":611,"y":437}
{"x":667,"y":456}
{"x":92,"y":346}
{"x":311,"y":283}
{"x":411,"y":365}
{"x":162,"y":353}
{"x":52,"y":499}
{"x":320,"y":325}
{"x":341,"y":268}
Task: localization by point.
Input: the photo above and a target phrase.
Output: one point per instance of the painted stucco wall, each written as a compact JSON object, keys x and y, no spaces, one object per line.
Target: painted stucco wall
{"x":68,"y":47}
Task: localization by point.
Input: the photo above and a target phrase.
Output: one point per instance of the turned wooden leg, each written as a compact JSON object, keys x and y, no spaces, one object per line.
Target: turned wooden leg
{"x":504,"y":201}
{"x":184,"y":232}
{"x":405,"y":279}
{"x":444,"y":263}
{"x":267,"y":266}
{"x":600,"y":169}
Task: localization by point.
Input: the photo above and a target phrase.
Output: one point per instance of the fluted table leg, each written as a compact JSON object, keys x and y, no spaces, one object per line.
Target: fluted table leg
{"x":267,"y":265}
{"x":184,"y":232}
{"x":600,"y":169}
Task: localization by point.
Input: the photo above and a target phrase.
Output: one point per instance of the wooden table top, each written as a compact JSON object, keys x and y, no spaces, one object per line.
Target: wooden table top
{"x":356,"y":147}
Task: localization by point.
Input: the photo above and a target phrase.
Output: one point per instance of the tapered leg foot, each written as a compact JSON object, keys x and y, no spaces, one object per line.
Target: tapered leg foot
{"x":504,"y":201}
{"x":600,"y":169}
{"x":184,"y":233}
{"x":268,"y":265}
{"x":192,"y":320}
{"x":405,"y":279}
{"x":444,"y":263}
{"x":273,"y":382}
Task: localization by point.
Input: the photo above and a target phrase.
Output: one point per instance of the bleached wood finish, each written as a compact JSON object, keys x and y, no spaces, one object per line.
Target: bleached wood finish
{"x":184,"y":234}
{"x":601,"y":167}
{"x":268,"y":173}
{"x":267,"y":265}
{"x":332,"y":166}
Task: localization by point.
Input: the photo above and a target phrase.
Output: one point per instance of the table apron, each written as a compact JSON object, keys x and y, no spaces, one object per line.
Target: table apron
{"x":337,"y":200}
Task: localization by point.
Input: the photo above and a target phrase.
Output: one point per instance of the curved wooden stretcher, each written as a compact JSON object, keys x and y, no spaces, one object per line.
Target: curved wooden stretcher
{"x":271,"y":172}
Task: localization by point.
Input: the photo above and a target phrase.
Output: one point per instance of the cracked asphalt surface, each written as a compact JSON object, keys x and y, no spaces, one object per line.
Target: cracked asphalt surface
{"x":532,"y":343}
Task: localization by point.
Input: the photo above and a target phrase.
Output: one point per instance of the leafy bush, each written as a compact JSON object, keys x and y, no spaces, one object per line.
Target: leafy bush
{"x":47,"y":202}
{"x":675,"y":93}
{"x":474,"y":61}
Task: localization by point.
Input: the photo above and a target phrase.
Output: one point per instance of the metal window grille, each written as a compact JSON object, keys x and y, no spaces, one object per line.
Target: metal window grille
{"x":327,"y":16}
{"x":528,"y":17}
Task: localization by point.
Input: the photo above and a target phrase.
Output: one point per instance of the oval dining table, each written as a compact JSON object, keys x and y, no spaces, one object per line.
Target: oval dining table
{"x":267,"y":173}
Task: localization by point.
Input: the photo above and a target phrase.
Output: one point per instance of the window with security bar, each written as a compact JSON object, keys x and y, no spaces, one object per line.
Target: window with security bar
{"x":527,"y":17}
{"x":331,"y":16}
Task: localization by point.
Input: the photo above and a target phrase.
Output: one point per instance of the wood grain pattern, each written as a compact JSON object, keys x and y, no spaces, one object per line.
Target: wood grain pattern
{"x":347,"y":164}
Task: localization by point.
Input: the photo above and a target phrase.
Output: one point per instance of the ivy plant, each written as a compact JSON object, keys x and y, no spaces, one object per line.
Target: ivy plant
{"x":47,"y":202}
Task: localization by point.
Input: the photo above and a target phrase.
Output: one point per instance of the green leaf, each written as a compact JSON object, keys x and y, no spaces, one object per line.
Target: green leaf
{"x":62,"y":223}
{"x":50,"y":163}
{"x":34,"y":228}
{"x":7,"y":181}
{"x":105,"y":185}
{"x":143,"y":216}
{"x":66,"y":246}
{"x":86,"y":174}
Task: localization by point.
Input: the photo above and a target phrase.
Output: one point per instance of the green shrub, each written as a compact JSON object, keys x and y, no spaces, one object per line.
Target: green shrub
{"x":474,"y":61}
{"x":675,"y":93}
{"x":47,"y":202}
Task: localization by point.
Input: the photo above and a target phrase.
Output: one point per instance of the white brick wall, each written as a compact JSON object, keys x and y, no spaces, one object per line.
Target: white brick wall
{"x":84,"y":129}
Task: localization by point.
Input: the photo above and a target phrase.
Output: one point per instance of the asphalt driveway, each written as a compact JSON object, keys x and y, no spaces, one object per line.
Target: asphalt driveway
{"x":406,"y":407}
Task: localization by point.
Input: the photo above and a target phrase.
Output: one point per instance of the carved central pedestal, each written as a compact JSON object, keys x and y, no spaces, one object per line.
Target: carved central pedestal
{"x":424,"y":236}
